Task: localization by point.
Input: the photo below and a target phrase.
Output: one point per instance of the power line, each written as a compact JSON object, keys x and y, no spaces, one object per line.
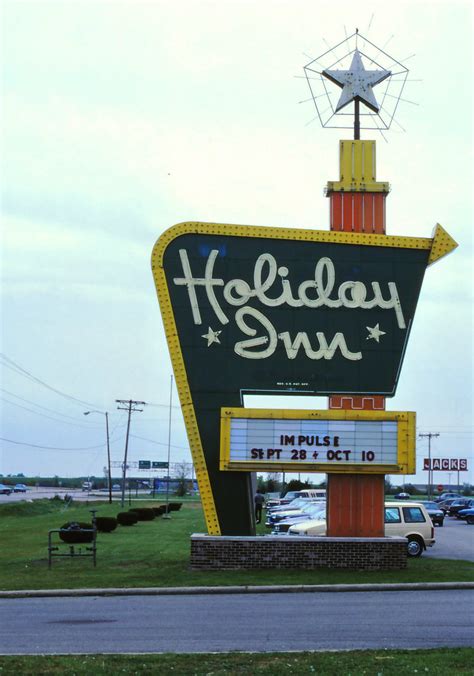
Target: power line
{"x":43,"y":415}
{"x":33,"y":403}
{"x":159,"y":443}
{"x":49,"y":448}
{"x":9,"y":363}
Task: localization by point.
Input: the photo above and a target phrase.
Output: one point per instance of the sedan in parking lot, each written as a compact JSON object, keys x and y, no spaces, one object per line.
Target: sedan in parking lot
{"x":467,"y":515}
{"x":19,"y":488}
{"x":314,"y":511}
{"x":434,"y":512}
{"x":5,"y":490}
{"x":446,"y":504}
{"x":457,"y":505}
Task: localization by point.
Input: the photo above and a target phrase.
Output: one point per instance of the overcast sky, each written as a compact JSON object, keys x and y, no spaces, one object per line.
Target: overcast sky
{"x":120,"y":119}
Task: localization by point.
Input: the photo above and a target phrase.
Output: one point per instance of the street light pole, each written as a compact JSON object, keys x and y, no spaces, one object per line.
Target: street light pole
{"x":167,"y":514}
{"x":109,"y":476}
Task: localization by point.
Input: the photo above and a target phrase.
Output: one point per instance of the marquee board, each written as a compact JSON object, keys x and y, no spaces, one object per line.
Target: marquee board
{"x":380,"y":442}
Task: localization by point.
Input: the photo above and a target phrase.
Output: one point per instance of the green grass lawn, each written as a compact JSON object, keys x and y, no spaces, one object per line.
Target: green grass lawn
{"x":351,"y":663}
{"x":156,"y":554}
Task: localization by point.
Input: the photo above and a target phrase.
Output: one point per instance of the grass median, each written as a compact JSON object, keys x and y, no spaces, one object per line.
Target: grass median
{"x":354,"y":663}
{"x":156,"y":554}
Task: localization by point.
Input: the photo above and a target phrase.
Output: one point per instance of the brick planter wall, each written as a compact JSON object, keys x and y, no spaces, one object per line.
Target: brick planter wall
{"x":210,"y":552}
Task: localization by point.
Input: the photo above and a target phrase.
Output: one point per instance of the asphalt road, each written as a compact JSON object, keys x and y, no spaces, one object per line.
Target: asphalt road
{"x":455,"y":540}
{"x":251,"y":622}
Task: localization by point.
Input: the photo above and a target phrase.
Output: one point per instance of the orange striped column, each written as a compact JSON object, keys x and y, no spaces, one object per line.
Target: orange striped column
{"x":357,"y":204}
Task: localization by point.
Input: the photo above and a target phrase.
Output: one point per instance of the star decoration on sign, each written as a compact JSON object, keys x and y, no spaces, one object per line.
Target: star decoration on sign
{"x":375,"y":333}
{"x":357,"y":83}
{"x":211,"y":336}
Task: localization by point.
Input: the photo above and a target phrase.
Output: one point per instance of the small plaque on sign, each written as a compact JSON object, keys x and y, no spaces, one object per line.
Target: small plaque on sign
{"x":320,"y":441}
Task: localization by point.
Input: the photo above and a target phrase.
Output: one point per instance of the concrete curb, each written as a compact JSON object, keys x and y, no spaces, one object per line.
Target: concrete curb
{"x":264,"y":589}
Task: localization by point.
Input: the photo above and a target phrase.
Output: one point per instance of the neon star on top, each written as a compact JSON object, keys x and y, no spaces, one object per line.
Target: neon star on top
{"x":357,"y":83}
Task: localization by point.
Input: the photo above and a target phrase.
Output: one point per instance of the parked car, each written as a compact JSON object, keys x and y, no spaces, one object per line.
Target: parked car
{"x":5,"y":490}
{"x":87,"y":485}
{"x":467,"y":514}
{"x":435,"y":513}
{"x":410,"y":520}
{"x":446,"y":504}
{"x":282,"y":512}
{"x":314,"y":511}
{"x":402,"y":496}
{"x":457,"y":505}
{"x":19,"y":488}
{"x":446,"y":496}
{"x":116,"y":487}
{"x":308,"y":493}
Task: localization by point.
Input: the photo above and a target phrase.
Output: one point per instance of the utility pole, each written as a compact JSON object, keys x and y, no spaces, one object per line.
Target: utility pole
{"x":109,"y":475}
{"x":130,"y":406}
{"x":430,"y":435}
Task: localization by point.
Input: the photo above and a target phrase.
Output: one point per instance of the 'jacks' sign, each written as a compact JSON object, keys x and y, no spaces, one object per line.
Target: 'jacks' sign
{"x":266,"y":310}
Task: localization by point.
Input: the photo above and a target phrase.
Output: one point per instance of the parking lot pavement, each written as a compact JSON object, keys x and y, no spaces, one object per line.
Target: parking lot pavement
{"x":455,"y":540}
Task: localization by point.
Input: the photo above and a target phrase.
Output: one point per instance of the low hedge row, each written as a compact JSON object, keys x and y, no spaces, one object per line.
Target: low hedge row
{"x":72,"y":532}
{"x":144,"y":513}
{"x":106,"y":524}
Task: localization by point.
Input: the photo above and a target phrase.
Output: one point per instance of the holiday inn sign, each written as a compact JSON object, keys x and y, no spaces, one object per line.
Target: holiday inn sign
{"x":267,"y":310}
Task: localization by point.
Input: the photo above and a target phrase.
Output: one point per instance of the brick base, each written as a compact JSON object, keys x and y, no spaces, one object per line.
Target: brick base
{"x":210,"y":552}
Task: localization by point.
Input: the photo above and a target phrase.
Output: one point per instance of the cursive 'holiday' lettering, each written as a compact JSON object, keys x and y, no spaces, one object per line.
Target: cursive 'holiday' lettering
{"x":272,"y":288}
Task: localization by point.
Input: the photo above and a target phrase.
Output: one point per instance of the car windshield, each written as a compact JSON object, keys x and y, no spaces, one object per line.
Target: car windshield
{"x":315,"y":509}
{"x":297,"y":502}
{"x":431,"y":505}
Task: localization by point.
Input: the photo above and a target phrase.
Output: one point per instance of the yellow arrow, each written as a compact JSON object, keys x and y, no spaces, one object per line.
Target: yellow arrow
{"x":442,"y":244}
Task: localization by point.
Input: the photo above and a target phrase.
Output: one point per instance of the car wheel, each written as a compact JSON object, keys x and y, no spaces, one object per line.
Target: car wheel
{"x":441,"y":523}
{"x":414,"y":546}
{"x":470,"y":519}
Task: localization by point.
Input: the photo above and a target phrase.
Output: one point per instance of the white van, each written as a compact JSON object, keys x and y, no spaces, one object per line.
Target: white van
{"x":407,"y":519}
{"x":308,"y":493}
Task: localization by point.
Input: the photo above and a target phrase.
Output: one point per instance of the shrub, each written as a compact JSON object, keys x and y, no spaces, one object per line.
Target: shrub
{"x":127,"y":518}
{"x":159,"y":510}
{"x":175,"y":506}
{"x":106,"y":524}
{"x":72,"y":532}
{"x":143,"y":513}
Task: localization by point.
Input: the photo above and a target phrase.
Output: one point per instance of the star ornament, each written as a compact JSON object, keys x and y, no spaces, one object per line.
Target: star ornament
{"x":357,"y":83}
{"x":375,"y":333}
{"x":211,"y":336}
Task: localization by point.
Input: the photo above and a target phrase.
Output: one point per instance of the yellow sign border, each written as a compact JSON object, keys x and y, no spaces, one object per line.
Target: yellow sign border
{"x":440,"y":245}
{"x":406,"y":455}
